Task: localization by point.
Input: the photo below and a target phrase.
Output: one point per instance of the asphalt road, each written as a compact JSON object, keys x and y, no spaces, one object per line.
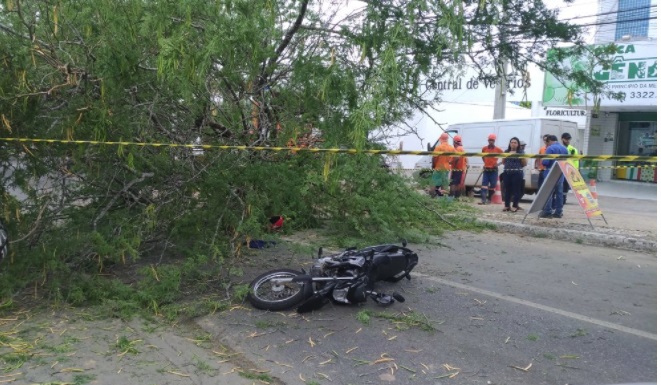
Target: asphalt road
{"x":505,"y":309}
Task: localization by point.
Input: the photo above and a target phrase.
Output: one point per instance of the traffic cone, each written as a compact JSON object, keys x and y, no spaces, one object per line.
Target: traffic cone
{"x":497,"y":198}
{"x":593,"y":188}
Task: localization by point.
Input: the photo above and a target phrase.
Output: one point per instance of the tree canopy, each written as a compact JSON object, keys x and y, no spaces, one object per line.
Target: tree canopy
{"x":231,"y":72}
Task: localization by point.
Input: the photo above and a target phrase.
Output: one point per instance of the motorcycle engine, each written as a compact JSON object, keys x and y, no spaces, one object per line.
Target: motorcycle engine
{"x":340,"y":295}
{"x":347,"y":264}
{"x":351,"y":292}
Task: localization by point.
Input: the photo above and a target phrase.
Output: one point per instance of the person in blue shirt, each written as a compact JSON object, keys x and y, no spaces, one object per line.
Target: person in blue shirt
{"x":553,"y":207}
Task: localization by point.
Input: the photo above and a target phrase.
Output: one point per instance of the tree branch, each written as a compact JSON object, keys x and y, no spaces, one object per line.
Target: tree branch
{"x":125,"y":189}
{"x":283,"y":45}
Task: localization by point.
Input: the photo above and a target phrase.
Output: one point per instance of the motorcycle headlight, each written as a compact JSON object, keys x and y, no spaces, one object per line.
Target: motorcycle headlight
{"x":340,"y":295}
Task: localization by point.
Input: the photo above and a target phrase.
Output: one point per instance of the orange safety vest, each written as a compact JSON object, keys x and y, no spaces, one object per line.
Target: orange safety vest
{"x":491,"y":163}
{"x":459,"y":161}
{"x":442,"y":162}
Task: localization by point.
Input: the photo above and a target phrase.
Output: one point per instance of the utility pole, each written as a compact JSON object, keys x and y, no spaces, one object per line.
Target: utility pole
{"x":500,"y":98}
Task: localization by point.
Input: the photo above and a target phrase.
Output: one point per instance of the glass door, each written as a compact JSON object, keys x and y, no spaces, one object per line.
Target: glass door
{"x":637,"y":138}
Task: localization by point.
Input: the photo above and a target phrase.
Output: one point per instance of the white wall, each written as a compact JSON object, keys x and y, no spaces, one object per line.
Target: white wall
{"x":577,"y":115}
{"x":606,"y":125}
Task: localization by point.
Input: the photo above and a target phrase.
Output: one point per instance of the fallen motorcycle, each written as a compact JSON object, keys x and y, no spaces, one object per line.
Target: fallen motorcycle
{"x":347,"y":277}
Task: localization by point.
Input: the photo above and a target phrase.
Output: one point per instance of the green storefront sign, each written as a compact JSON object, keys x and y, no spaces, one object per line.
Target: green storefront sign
{"x":632,"y":72}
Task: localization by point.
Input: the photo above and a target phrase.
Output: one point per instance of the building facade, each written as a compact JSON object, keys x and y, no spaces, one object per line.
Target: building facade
{"x":619,"y":20}
{"x":627,"y":127}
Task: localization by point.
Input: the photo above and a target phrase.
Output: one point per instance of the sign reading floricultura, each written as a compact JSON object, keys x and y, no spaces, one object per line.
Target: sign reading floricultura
{"x":632,"y":72}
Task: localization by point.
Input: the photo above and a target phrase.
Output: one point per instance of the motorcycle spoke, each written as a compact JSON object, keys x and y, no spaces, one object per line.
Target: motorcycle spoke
{"x":284,"y":291}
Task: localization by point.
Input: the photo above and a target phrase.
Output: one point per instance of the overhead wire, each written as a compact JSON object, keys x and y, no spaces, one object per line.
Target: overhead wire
{"x":597,"y":15}
{"x":609,"y":13}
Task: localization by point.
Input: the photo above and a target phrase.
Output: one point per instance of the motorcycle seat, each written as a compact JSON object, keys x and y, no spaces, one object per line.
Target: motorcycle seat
{"x":386,"y":248}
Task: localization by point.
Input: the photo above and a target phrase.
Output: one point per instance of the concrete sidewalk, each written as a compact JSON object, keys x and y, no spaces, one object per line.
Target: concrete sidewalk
{"x":629,"y":190}
{"x":629,"y":218}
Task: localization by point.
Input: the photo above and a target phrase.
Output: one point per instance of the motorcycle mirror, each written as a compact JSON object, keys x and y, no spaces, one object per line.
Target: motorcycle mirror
{"x":398,"y":297}
{"x":404,"y":243}
{"x":321,"y":250}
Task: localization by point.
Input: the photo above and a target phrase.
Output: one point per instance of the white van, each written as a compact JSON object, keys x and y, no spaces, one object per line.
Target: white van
{"x":529,"y":131}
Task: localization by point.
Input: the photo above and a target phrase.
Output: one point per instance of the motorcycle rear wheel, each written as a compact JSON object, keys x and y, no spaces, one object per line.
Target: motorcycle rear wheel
{"x":266,"y":295}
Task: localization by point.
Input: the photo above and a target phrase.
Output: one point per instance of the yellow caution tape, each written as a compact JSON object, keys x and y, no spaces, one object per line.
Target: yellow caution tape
{"x":652,"y":166}
{"x":632,"y":158}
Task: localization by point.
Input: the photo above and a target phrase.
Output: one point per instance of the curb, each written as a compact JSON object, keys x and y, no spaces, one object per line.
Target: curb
{"x":592,"y":238}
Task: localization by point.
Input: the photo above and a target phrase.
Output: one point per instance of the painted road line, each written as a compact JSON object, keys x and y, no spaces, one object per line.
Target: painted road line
{"x":553,"y":310}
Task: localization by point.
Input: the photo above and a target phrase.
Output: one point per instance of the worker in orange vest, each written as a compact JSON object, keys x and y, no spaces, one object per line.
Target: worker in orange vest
{"x":458,"y":164}
{"x":490,"y":170}
{"x":441,"y":165}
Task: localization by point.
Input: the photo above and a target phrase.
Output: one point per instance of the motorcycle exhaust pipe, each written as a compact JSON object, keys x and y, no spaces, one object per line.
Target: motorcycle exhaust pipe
{"x":307,"y":278}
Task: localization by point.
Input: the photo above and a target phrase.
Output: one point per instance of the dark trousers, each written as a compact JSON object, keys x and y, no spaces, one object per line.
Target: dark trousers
{"x":540,"y":180}
{"x":555,"y":202}
{"x":512,"y":181}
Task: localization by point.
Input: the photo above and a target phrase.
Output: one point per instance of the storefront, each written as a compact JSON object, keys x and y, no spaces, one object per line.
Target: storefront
{"x":627,"y":127}
{"x":636,"y":136}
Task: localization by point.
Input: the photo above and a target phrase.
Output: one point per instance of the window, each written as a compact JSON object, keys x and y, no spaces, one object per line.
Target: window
{"x":642,"y":138}
{"x":632,"y":18}
{"x":636,"y":138}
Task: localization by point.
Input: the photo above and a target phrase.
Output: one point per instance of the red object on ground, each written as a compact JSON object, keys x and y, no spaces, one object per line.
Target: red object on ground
{"x":276,"y":222}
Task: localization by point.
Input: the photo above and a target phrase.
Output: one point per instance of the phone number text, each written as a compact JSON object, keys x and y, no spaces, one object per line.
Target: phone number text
{"x":634,"y":95}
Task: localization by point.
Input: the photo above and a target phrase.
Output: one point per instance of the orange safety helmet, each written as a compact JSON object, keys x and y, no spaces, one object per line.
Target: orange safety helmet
{"x":457,"y":139}
{"x":444,"y":137}
{"x":492,"y":136}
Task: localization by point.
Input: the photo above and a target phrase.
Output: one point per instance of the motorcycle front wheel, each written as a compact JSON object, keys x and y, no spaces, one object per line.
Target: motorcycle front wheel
{"x":267,"y":295}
